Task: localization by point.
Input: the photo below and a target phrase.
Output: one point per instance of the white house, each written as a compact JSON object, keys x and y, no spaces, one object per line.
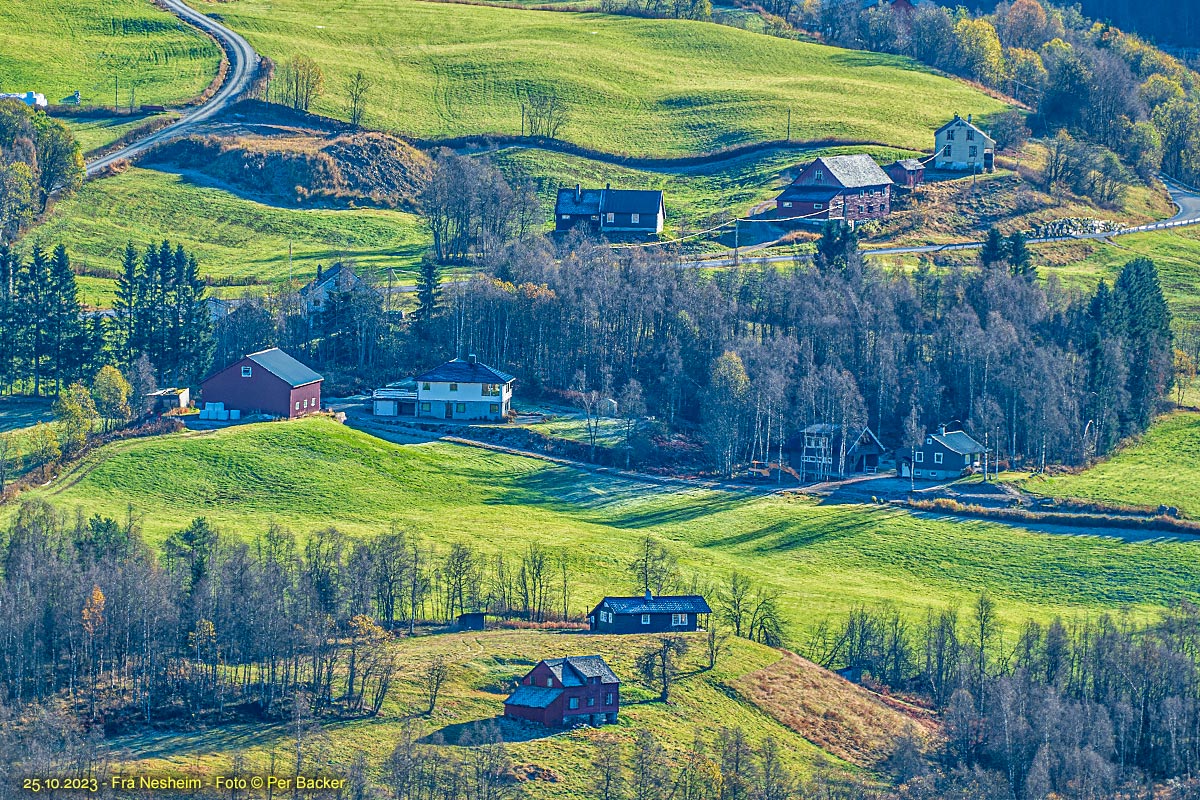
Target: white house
{"x":962,"y":145}
{"x":28,"y":98}
{"x":459,"y":389}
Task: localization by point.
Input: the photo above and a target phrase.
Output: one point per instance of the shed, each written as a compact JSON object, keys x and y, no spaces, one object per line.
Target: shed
{"x":471,"y":621}
{"x":907,"y":173}
{"x":171,"y":399}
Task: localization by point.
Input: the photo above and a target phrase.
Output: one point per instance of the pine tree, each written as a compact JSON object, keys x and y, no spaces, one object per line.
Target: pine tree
{"x":994,"y":250}
{"x":64,"y":327}
{"x":32,"y":312}
{"x":428,"y":289}
{"x":1020,"y":259}
{"x":126,"y":306}
{"x":194,"y":338}
{"x":1145,"y":321}
{"x":8,"y":321}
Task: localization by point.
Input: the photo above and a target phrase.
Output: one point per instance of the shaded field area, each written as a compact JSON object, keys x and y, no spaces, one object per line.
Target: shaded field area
{"x":59,"y":46}
{"x":825,"y":559}
{"x":680,"y":87}
{"x":1161,"y":468}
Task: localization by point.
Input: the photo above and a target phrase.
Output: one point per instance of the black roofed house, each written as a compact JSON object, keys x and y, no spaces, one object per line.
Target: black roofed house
{"x":820,"y":452}
{"x":907,"y":173}
{"x":943,"y":455}
{"x":464,"y":389}
{"x":850,"y":188}
{"x":328,"y":283}
{"x":608,"y":210}
{"x":648,"y":614}
{"x":559,"y":692}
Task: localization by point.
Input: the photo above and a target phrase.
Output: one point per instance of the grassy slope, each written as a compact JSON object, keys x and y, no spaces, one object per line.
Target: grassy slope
{"x":1159,"y":469}
{"x":57,"y":46}
{"x":231,"y":236}
{"x":483,"y":664}
{"x":824,"y":558}
{"x":678,"y":86}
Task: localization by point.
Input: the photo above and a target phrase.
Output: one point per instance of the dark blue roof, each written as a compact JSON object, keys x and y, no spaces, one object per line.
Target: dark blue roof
{"x":460,"y":371}
{"x":631,"y":201}
{"x":678,"y":604}
{"x":533,"y":697}
{"x":284,"y":367}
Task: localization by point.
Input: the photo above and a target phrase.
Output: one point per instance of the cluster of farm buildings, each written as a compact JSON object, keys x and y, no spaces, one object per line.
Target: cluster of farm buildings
{"x":851,"y":188}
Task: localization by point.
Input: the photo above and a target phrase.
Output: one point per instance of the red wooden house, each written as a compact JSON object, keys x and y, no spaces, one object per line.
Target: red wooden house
{"x":267,"y":382}
{"x":561,"y":692}
{"x":849,"y":188}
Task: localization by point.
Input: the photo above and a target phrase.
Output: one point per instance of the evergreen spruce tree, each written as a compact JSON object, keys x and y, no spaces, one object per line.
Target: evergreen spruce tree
{"x":32,"y":311}
{"x":126,"y":307}
{"x":64,"y":328}
{"x":1145,"y":321}
{"x":194,"y":334}
{"x":994,"y":250}
{"x":8,"y":320}
{"x":1020,"y":260}
{"x":428,"y":289}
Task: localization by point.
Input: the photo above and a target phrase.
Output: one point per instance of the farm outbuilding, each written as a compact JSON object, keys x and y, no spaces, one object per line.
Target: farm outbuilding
{"x":268,"y":382}
{"x":560,"y":692}
{"x":172,"y":399}
{"x":907,"y":173}
{"x":471,"y":621}
{"x":648,"y":614}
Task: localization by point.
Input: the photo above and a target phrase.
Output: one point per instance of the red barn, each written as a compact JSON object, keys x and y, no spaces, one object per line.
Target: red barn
{"x":560,"y":692}
{"x":849,"y":188}
{"x":907,"y":173}
{"x":268,"y":382}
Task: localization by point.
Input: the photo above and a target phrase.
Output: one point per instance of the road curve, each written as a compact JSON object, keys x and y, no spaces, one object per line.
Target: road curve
{"x":242,"y":63}
{"x":1186,"y":199}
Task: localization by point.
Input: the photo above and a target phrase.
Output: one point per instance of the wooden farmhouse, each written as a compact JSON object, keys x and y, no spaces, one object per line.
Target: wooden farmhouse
{"x":562,"y":692}
{"x":329,"y":284}
{"x":944,"y":455}
{"x":648,"y":614}
{"x":962,"y":146}
{"x":608,"y":210}
{"x":822,"y":451}
{"x":267,"y":382}
{"x":907,"y":174}
{"x":851,"y":188}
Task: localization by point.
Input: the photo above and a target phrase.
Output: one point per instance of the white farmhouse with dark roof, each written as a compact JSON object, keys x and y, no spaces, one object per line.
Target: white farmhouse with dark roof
{"x":464,"y":389}
{"x":961,"y":145}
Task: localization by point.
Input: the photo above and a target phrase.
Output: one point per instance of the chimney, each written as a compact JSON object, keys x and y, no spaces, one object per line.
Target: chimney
{"x":319,"y":271}
{"x":648,"y":596}
{"x":607,"y":186}
{"x":969,"y":117}
{"x":472,"y":359}
{"x":942,"y":430}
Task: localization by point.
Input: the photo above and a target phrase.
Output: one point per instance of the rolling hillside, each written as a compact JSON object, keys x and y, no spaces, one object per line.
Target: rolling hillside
{"x":679,"y":87}
{"x":59,"y":46}
{"x":824,"y":558}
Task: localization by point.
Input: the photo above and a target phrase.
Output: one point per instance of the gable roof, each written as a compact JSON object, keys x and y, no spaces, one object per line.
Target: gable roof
{"x":578,"y":201}
{"x":834,"y":432}
{"x":855,"y":171}
{"x":958,"y":442}
{"x":462,"y":371}
{"x":631,"y":201}
{"x":575,"y":670}
{"x":533,"y":696}
{"x":909,"y":164}
{"x":965,"y":123}
{"x":673,"y":604}
{"x":810,"y":194}
{"x":284,"y":367}
{"x":337,"y":276}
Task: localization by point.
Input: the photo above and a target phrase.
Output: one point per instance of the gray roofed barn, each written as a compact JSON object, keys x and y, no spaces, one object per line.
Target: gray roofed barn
{"x":849,"y":188}
{"x":566,"y":691}
{"x":584,"y":666}
{"x":855,"y":171}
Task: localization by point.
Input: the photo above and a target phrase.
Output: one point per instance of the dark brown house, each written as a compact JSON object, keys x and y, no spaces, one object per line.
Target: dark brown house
{"x":821,"y":451}
{"x":944,"y":455}
{"x":609,"y":210}
{"x":561,"y":692}
{"x":850,"y":188}
{"x":267,"y":382}
{"x":648,"y":614}
{"x":908,"y":173}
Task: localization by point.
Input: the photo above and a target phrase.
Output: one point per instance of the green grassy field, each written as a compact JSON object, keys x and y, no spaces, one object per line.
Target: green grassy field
{"x":96,"y":132}
{"x":678,"y":87}
{"x":824,"y":558}
{"x":232,"y":237}
{"x":59,"y":46}
{"x":1158,"y":469}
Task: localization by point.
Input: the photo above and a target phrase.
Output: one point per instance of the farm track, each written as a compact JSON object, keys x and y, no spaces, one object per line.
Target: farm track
{"x":242,"y":63}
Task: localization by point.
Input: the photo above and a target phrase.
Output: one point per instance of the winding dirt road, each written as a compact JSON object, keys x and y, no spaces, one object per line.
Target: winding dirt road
{"x":242,"y":63}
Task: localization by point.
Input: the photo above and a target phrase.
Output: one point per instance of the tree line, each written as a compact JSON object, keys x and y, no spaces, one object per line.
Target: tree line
{"x":39,"y":157}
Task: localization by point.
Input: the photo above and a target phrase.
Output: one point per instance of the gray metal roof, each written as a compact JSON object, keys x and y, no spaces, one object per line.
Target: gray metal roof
{"x":677,"y":604}
{"x":462,"y":371}
{"x":958,"y":442}
{"x":911,"y":164}
{"x":583,"y":667}
{"x":284,"y":367}
{"x":855,"y":171}
{"x":533,"y":697}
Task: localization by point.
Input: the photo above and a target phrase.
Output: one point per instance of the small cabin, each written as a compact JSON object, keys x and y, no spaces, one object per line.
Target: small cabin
{"x":649,"y":614}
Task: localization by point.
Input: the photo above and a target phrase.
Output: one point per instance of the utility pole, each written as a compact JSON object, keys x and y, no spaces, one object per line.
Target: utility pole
{"x":116,"y":97}
{"x":789,"y":132}
{"x":736,"y":254}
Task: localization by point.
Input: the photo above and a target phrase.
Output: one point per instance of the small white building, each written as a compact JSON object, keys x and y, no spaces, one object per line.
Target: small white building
{"x":32,"y":99}
{"x":462,"y":389}
{"x":963,"y":146}
{"x":170,"y":399}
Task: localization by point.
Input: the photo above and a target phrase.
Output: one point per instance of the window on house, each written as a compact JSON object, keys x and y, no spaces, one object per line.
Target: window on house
{"x":591,"y":701}
{"x":247,"y":372}
{"x":566,"y":216}
{"x":946,"y":151}
{"x":425,"y":386}
{"x":920,"y":457}
{"x":950,"y":135}
{"x":917,"y":472}
{"x":306,"y":403}
{"x":424,"y":406}
{"x":549,"y":683}
{"x":610,"y":217}
{"x":460,"y":408}
{"x":819,"y":176}
{"x":970,"y":135}
{"x":818,"y":206}
{"x":635,"y":218}
{"x":297,"y":405}
{"x":494,"y":408}
{"x":679,"y":619}
{"x":454,"y":387}
{"x":937,"y":458}
{"x":787,"y":204}
{"x":608,"y":698}
{"x":574,"y":702}
{"x":645,"y":619}
{"x":974,"y":151}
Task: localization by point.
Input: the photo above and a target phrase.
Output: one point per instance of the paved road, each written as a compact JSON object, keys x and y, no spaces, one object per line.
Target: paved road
{"x":1186,"y":200}
{"x":242,"y":63}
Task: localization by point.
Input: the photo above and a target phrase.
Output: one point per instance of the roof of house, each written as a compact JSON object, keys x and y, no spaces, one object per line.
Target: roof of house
{"x":631,"y":201}
{"x":533,"y":696}
{"x":834,"y":432}
{"x":575,"y":670}
{"x":957,"y":119}
{"x":855,"y":171}
{"x":284,"y":367}
{"x":676,"y":604}
{"x":578,"y":201}
{"x":809,"y":194}
{"x":910,"y":164}
{"x":958,"y":442}
{"x":338,"y":275}
{"x":463,"y":371}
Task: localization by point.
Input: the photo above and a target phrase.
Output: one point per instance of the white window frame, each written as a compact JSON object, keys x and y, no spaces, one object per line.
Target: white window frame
{"x":608,"y":698}
{"x":247,"y":372}
{"x":610,"y":217}
{"x":549,"y":683}
{"x":297,"y":405}
{"x":787,"y":203}
{"x":573,"y":703}
{"x":636,"y":219}
{"x":591,"y":702}
{"x":566,"y":216}
{"x":937,"y":458}
{"x":678,"y":620}
{"x":645,"y":619}
{"x":818,"y":206}
{"x":920,"y":457}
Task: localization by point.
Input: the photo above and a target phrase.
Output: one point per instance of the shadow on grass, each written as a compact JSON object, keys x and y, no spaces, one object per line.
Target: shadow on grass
{"x":467,"y":734}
